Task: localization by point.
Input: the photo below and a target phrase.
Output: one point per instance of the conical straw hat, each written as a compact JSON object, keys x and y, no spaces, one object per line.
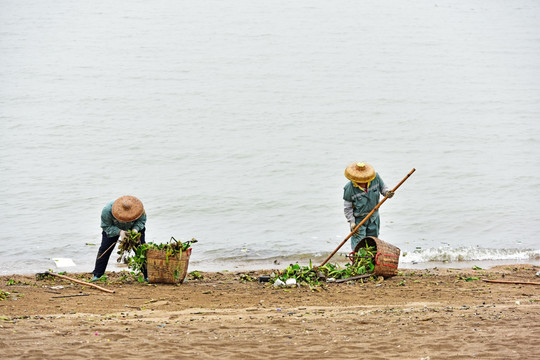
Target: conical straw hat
{"x":360,"y":172}
{"x":127,"y":208}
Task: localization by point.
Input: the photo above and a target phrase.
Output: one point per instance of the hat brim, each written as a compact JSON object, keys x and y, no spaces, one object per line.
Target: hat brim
{"x":127,"y":208}
{"x":359,"y":174}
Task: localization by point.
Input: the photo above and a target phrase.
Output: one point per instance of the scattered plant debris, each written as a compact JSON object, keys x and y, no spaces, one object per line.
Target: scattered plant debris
{"x":362,"y":263}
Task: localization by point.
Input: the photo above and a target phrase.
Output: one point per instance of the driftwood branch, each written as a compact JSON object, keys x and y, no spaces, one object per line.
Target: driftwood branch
{"x":68,"y":296}
{"x":75,"y":281}
{"x":511,"y":282}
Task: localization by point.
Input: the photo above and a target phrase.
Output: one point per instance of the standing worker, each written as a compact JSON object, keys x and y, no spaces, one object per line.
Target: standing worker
{"x":361,"y":195}
{"x":117,"y":217}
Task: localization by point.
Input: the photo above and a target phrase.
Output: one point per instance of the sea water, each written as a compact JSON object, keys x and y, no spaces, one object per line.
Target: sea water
{"x":233,"y":122}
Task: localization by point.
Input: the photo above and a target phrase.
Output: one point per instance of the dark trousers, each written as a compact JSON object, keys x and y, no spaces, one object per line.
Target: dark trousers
{"x":105,"y":251}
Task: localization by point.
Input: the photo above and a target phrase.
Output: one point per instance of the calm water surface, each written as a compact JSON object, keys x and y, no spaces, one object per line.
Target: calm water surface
{"x":233,"y":122}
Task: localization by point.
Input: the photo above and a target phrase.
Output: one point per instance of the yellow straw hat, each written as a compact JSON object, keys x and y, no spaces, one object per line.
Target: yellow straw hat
{"x":127,"y":208}
{"x":360,"y":172}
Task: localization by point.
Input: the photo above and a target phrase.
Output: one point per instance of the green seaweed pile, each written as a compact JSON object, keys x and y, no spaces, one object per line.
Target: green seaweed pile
{"x":363,"y":262}
{"x":128,"y":245}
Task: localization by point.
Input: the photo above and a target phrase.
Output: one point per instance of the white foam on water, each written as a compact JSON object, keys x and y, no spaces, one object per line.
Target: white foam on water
{"x":447,"y":254}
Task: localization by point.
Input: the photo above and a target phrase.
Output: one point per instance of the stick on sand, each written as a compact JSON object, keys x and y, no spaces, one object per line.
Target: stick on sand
{"x":75,"y":280}
{"x":511,"y":282}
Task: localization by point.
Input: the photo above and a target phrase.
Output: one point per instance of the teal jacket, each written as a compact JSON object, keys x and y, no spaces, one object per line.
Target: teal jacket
{"x":112,"y":226}
{"x":358,"y":203}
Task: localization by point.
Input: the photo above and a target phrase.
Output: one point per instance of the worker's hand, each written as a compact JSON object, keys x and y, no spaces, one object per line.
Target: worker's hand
{"x":122,"y":235}
{"x":353,"y":225}
{"x":135,"y":230}
{"x":389,"y":194}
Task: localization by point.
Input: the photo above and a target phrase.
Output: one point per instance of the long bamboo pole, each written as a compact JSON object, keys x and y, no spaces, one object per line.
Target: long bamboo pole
{"x":366,"y":218}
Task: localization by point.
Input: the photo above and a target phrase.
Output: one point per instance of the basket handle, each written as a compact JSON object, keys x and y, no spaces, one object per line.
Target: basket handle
{"x":382,"y":264}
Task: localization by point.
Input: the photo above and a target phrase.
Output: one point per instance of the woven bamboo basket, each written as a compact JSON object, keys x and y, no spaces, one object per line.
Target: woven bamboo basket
{"x":167,"y":271}
{"x":386,"y":257}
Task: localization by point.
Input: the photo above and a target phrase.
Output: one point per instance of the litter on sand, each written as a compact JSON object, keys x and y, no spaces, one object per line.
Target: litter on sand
{"x":63,"y":262}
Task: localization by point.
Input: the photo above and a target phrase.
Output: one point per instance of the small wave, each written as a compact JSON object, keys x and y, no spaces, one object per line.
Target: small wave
{"x":448,"y":254}
{"x":425,"y":257}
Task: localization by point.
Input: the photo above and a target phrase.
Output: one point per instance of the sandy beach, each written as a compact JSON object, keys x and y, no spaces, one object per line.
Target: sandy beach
{"x":419,"y":314}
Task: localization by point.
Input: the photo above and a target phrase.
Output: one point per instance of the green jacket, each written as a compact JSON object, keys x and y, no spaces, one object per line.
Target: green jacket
{"x":112,"y":226}
{"x":358,"y":203}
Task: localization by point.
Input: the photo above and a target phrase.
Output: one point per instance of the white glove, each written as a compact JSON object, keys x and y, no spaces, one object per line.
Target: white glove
{"x":122,"y":235}
{"x":353,"y":225}
{"x":135,"y":230}
{"x":389,"y":194}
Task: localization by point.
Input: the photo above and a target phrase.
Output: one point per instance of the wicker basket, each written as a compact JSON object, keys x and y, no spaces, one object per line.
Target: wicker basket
{"x":168,"y":271}
{"x":386,"y":258}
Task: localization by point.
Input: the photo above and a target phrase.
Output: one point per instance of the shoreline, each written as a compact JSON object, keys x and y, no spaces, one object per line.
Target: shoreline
{"x":420,"y":313}
{"x":261,"y":265}
{"x":275,"y":264}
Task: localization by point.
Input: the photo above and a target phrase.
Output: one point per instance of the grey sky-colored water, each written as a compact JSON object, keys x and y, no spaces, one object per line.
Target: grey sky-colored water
{"x":234,"y":120}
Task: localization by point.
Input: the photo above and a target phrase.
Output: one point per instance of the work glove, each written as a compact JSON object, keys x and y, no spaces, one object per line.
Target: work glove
{"x":122,"y":235}
{"x":353,"y":225}
{"x":389,"y":194}
{"x":135,"y":230}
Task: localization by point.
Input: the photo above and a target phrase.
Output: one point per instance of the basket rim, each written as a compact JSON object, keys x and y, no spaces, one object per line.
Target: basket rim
{"x":387,"y":256}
